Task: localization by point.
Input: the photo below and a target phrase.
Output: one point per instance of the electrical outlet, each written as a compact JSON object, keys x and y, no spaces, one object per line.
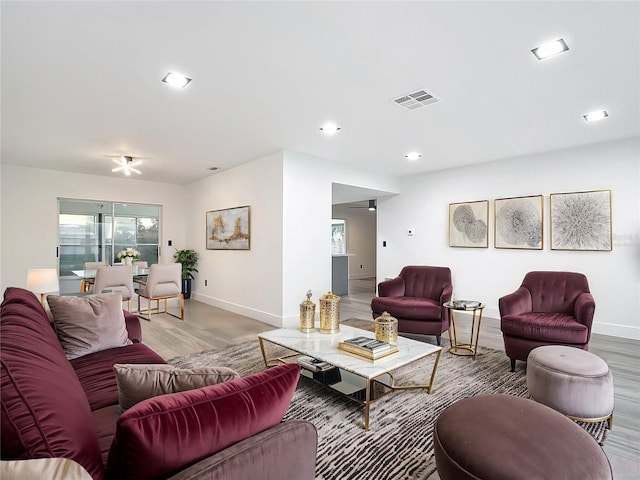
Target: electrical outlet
{"x":169,"y":242}
{"x":206,"y":282}
{"x":411,"y":232}
{"x":384,"y":243}
{"x":360,"y":266}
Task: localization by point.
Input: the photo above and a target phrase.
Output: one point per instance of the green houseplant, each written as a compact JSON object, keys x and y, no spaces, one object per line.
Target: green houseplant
{"x":189,"y":259}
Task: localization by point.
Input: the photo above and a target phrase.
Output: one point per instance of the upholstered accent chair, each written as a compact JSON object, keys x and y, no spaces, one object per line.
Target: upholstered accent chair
{"x":164,"y":282}
{"x":116,"y":279}
{"x":549,"y":308}
{"x":416,"y":297}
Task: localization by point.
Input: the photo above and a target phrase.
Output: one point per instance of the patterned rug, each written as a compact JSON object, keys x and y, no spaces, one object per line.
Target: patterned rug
{"x":399,"y":443}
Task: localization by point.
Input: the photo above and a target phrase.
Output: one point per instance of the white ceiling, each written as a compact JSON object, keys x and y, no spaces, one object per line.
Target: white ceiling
{"x":82,"y":80}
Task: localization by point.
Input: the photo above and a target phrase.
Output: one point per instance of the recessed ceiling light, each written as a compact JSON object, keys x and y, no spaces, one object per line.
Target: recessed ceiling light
{"x":550,"y":48}
{"x":413,"y":156}
{"x":176,"y":80}
{"x":330,"y":128}
{"x":596,"y":115}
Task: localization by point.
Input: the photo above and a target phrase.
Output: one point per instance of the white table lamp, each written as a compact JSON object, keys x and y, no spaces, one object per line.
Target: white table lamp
{"x":42,"y":280}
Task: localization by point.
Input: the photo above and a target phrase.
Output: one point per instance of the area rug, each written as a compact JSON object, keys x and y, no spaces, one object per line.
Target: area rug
{"x":399,"y":443}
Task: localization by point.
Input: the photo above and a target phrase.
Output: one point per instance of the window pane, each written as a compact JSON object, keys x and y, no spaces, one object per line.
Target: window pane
{"x":78,"y":242}
{"x":147,"y":231}
{"x":125,"y":232}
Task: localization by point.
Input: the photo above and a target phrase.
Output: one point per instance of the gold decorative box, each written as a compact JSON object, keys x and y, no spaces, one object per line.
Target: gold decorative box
{"x":307,"y":314}
{"x":386,"y":328}
{"x":329,"y":313}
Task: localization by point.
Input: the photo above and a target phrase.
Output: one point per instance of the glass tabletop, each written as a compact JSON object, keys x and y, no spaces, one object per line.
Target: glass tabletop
{"x":91,"y":273}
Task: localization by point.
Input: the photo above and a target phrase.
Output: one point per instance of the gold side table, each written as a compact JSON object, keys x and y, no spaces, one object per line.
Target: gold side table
{"x":465,"y":349}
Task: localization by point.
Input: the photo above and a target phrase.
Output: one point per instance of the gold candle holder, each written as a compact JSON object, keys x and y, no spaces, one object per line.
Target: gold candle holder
{"x":386,"y":328}
{"x":329,"y":313}
{"x":307,"y":314}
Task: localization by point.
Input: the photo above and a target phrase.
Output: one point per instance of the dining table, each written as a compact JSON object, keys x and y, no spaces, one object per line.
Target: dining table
{"x":87,"y":277}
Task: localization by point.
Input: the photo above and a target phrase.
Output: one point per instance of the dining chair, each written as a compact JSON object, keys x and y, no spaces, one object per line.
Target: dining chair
{"x":163,"y":282}
{"x":116,"y":279}
{"x":87,"y":283}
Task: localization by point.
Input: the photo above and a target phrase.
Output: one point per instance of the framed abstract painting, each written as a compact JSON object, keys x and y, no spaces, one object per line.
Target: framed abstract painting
{"x":468,"y":224}
{"x":229,"y":229}
{"x":581,"y":221}
{"x":518,"y":222}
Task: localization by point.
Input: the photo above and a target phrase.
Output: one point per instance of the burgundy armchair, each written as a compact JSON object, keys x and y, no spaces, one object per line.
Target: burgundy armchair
{"x":415,"y":298}
{"x":549,"y":308}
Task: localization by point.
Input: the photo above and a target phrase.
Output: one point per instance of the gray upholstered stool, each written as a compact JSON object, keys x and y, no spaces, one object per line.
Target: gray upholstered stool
{"x":572,"y":381}
{"x":503,"y":437}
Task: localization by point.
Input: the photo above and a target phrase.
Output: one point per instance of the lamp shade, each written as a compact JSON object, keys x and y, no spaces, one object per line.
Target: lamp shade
{"x":42,"y":280}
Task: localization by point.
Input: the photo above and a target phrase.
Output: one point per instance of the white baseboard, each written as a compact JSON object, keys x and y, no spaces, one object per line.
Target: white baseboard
{"x":615,"y":330}
{"x":259,"y":315}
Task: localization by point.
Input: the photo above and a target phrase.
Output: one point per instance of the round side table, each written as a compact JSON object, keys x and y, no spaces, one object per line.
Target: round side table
{"x":465,"y":349}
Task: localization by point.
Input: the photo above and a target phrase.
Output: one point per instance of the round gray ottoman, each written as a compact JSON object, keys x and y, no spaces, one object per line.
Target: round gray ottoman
{"x":572,"y":381}
{"x":503,"y":437}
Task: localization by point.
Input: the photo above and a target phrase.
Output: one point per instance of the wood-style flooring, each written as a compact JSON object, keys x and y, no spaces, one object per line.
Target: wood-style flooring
{"x":206,"y":327}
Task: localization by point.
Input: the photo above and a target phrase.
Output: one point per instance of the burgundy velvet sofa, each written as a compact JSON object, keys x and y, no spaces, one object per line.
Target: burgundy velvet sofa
{"x":549,"y":308}
{"x":415,"y":297}
{"x":53,"y":407}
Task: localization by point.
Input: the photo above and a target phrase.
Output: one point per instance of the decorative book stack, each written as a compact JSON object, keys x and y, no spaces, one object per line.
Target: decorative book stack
{"x":367,"y":347}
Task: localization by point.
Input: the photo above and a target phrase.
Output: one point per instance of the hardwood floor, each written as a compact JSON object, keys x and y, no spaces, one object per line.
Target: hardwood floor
{"x":206,"y":327}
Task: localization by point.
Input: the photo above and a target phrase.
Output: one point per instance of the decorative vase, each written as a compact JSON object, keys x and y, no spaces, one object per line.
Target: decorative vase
{"x":307,"y":314}
{"x":186,"y":288}
{"x":329,"y":313}
{"x":127,"y":261}
{"x":386,"y":328}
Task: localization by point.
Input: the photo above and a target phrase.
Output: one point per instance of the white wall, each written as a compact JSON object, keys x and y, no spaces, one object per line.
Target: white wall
{"x":307,"y":190}
{"x":290,"y":199}
{"x":29,"y":213}
{"x":248,"y":282}
{"x":361,"y":239}
{"x":487,"y":274}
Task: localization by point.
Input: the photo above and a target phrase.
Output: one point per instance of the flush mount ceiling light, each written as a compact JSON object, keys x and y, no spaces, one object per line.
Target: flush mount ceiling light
{"x":126,"y":164}
{"x":412,"y":156}
{"x":176,"y":79}
{"x":595,"y":116}
{"x":330,"y":128}
{"x":549,"y":49}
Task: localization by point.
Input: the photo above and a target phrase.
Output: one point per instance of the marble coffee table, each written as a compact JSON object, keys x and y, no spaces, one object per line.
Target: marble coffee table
{"x":356,"y":377}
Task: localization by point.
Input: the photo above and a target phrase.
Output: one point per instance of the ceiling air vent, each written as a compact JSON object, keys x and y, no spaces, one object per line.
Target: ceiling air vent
{"x":414,"y":100}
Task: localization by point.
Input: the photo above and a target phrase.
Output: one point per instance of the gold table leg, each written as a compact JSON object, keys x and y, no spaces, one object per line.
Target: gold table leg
{"x":472,"y":346}
{"x":270,"y":362}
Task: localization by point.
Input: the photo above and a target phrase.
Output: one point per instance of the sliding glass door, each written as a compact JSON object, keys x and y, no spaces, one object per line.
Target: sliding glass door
{"x":95,"y":231}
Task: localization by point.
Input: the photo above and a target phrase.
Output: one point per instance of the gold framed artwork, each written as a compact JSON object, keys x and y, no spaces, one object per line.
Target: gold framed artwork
{"x":581,"y":221}
{"x":468,"y":224}
{"x":229,"y":229}
{"x":518,"y":222}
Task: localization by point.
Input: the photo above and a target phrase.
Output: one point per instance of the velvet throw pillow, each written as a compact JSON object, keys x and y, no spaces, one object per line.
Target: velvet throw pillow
{"x":159,"y":437}
{"x":137,"y":382}
{"x":89,"y":323}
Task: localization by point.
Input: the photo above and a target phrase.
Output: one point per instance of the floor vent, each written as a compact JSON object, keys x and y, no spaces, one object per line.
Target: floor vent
{"x":414,"y":100}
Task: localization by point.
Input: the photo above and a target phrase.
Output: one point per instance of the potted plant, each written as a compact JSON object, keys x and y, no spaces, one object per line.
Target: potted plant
{"x":188,"y":258}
